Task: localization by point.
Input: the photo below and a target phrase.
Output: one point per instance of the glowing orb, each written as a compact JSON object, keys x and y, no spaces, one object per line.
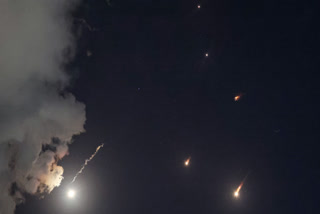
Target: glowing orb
{"x":207,"y":54}
{"x":236,"y":194}
{"x":199,"y":6}
{"x":71,"y":193}
{"x":237,"y":98}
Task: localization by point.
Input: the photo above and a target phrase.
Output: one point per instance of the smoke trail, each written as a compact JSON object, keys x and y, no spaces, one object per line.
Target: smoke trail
{"x":86,"y":163}
{"x":38,"y":116}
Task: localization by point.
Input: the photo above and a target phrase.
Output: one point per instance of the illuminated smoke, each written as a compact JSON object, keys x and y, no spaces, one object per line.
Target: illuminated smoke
{"x":38,"y":116}
{"x":86,"y":162}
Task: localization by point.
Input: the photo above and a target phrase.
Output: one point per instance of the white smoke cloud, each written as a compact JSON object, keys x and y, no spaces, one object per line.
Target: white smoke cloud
{"x":37,"y":117}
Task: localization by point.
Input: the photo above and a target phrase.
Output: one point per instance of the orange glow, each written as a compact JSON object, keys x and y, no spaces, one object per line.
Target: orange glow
{"x":187,"y":161}
{"x":237,"y":98}
{"x":236,"y":193}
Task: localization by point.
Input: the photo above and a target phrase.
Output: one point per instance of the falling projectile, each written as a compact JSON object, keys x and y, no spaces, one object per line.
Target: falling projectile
{"x":236,"y":193}
{"x":238,"y":97}
{"x":186,"y":163}
{"x":86,"y":162}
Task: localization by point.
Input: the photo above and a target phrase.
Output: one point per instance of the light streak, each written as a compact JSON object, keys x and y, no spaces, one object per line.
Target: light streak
{"x":237,"y":192}
{"x":86,"y":162}
{"x":187,"y":162}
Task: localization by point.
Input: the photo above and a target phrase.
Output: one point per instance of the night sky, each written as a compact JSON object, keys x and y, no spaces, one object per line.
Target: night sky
{"x":154,"y":99}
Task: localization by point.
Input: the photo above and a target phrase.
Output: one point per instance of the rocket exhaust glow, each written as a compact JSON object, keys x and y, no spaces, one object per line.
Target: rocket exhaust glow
{"x":236,"y":193}
{"x":187,"y":161}
{"x":86,"y":163}
{"x":238,"y":97}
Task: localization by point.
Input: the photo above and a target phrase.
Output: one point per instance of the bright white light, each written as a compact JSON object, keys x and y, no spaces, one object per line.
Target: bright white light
{"x":199,"y":6}
{"x":207,"y":54}
{"x":71,"y":193}
{"x":236,"y":194}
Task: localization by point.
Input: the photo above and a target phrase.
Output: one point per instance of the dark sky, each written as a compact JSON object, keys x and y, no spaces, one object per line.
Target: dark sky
{"x":154,"y":99}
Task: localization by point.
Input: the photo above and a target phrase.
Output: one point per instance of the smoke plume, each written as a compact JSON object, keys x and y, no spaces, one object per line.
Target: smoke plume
{"x":37,"y":116}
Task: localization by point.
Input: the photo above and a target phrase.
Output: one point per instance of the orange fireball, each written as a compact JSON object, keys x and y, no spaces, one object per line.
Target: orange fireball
{"x":237,"y":98}
{"x":186,"y":163}
{"x":236,"y":193}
